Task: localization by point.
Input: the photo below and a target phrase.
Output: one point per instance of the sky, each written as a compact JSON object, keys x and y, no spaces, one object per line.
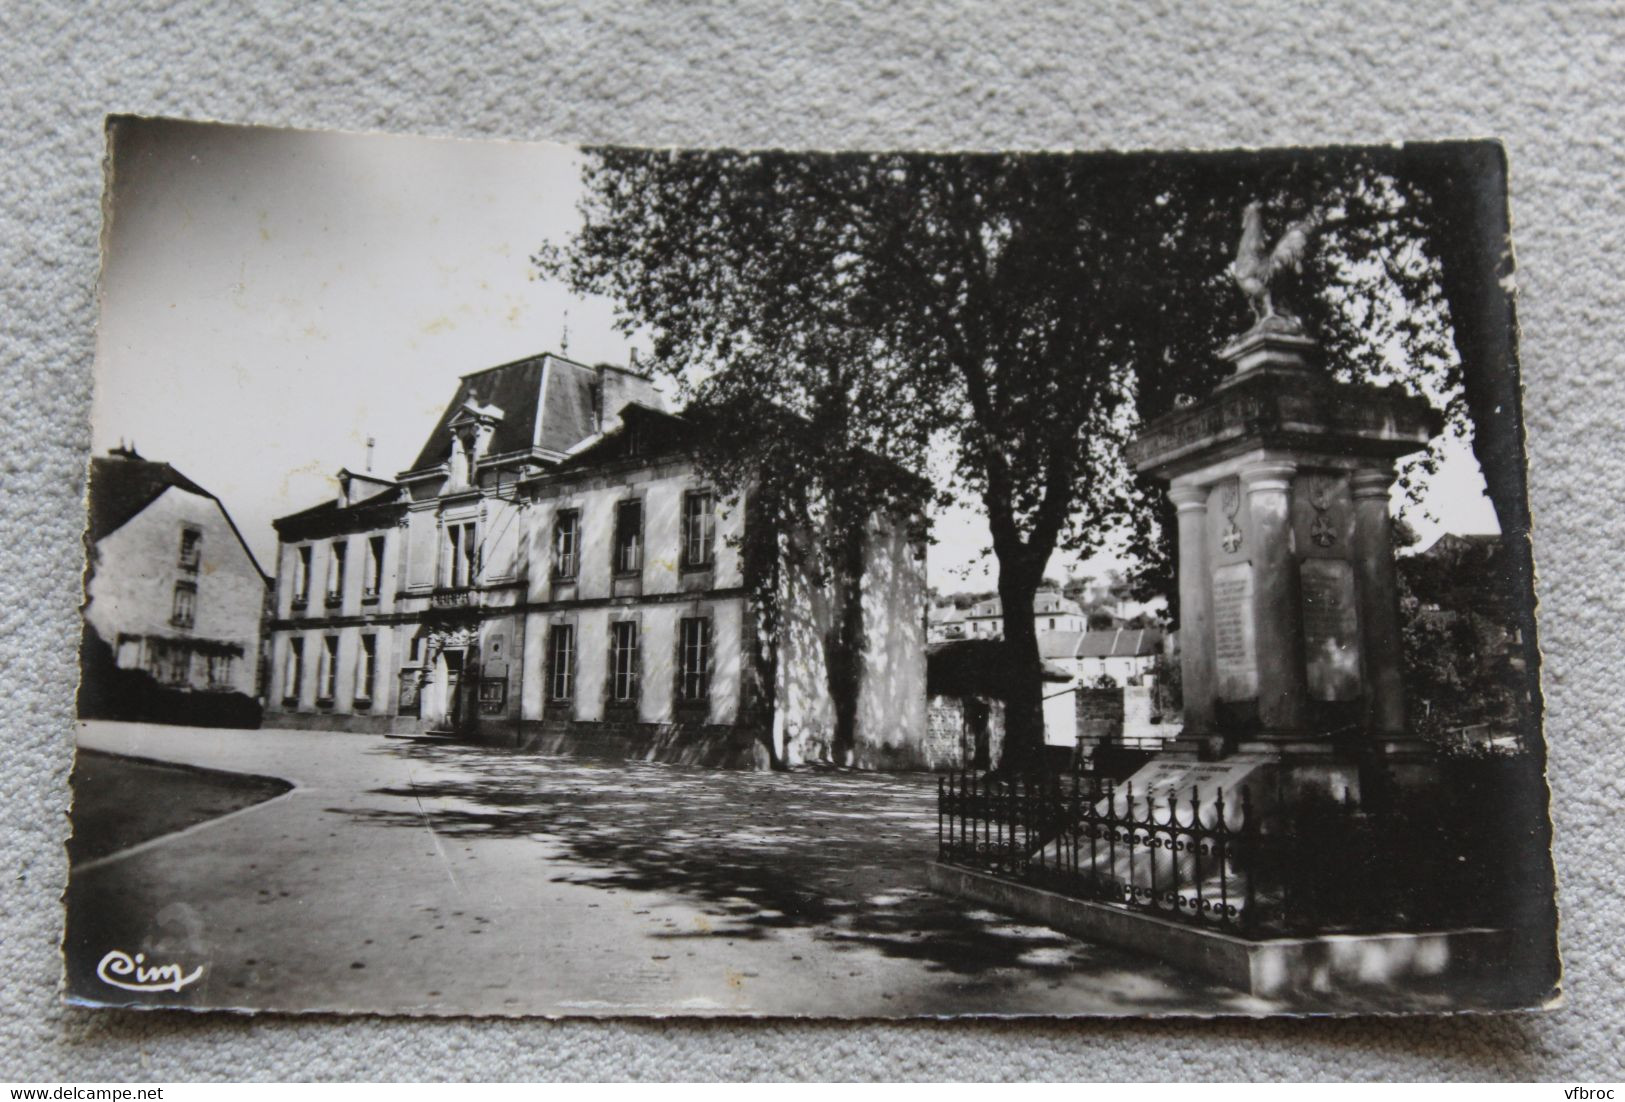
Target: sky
{"x":270,"y":299}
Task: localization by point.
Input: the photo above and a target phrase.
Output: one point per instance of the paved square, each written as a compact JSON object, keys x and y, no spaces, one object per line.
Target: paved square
{"x":434,"y":878}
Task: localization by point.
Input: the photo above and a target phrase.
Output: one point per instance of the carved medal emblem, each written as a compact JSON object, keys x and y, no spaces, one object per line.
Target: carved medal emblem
{"x":1230,"y":500}
{"x":1323,"y":532}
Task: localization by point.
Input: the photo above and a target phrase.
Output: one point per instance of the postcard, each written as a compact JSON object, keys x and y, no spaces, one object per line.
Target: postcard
{"x":525,"y":579}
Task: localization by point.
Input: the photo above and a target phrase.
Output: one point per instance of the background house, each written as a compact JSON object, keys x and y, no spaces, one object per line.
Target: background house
{"x":174,"y":600}
{"x":1051,"y":612}
{"x":1126,"y":655}
{"x":945,"y":622}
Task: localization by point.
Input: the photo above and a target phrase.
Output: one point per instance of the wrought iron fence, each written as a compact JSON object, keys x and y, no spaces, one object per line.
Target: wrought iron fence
{"x":1192,"y":856}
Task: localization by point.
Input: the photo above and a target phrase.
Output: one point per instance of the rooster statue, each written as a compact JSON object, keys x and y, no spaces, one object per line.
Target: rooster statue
{"x":1257,"y":269}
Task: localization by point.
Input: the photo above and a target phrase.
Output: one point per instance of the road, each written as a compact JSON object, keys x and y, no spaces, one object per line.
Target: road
{"x":412,"y":877}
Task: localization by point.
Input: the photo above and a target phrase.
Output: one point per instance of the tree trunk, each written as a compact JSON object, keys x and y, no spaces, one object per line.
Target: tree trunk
{"x":1475,"y":262}
{"x":843,"y":641}
{"x":1024,"y":696}
{"x":760,"y":555}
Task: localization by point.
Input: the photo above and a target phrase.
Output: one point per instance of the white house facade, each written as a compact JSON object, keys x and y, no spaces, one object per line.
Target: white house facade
{"x":1051,"y":612}
{"x":555,"y":572}
{"x":171,"y":590}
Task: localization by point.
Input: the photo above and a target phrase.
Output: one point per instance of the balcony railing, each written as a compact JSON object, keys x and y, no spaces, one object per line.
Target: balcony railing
{"x":452,"y":597}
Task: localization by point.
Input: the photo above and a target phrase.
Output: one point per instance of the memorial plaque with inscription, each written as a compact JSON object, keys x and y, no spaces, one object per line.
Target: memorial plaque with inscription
{"x":1331,"y":629}
{"x":1235,"y":651}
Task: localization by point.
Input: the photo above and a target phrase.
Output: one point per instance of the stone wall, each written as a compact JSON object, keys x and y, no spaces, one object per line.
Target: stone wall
{"x":950,"y":742}
{"x":1100,"y":713}
{"x":344,"y":722}
{"x":711,"y":745}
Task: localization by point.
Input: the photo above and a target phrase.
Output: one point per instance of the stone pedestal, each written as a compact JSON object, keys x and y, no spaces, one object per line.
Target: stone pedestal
{"x":1289,"y":616}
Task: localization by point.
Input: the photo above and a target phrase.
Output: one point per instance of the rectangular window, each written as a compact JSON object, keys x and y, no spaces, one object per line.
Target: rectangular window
{"x":335,"y":571}
{"x":629,"y":537}
{"x":328,"y":675}
{"x":374,"y":581}
{"x":623,"y":661}
{"x":220,"y":671}
{"x":366,"y":668}
{"x":294,"y":671}
{"x":191,"y":549}
{"x":183,"y":613}
{"x":463,"y":556}
{"x":699,"y":527}
{"x":561,"y":661}
{"x":169,"y":663}
{"x":415,"y":648}
{"x":567,"y":543}
{"x":694,"y":660}
{"x":301,"y":576}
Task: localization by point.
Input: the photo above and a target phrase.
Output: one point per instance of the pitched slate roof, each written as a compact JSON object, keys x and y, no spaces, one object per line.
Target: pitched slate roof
{"x":1058,"y":644}
{"x":654,"y":431}
{"x":332,"y":517}
{"x":1119,"y":643}
{"x":547,"y":403}
{"x":122,"y":484}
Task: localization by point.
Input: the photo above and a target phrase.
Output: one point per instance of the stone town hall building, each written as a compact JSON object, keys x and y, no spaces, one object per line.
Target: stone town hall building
{"x":553,"y":571}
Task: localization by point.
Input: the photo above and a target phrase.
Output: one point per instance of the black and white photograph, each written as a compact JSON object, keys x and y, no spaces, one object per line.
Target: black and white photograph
{"x":528,"y":579}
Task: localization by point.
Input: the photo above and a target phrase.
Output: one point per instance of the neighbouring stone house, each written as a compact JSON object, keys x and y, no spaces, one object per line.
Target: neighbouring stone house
{"x":946,"y":622}
{"x":553,"y":571}
{"x":173,"y":596}
{"x":1126,"y":655}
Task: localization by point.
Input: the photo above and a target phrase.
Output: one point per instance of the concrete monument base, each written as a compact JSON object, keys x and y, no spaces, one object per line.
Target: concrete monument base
{"x":1271,"y":968}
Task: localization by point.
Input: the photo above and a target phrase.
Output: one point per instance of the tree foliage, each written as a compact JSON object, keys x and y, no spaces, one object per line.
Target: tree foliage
{"x":1030,"y":311}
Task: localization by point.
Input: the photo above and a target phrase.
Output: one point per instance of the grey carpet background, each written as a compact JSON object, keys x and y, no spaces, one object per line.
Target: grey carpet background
{"x":1021,"y":73}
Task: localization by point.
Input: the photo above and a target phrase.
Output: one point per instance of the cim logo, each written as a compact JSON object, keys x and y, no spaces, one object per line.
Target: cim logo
{"x":119,"y":969}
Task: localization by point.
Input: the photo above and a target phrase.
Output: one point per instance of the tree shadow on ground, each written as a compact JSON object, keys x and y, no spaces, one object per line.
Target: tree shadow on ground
{"x":839,"y":854}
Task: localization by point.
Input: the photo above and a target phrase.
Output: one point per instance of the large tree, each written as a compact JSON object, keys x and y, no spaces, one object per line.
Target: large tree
{"x":1031,"y":309}
{"x":985,"y":299}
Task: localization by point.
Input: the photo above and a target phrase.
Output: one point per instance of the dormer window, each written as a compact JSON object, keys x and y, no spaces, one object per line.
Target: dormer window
{"x":471,"y":432}
{"x":462,"y":460}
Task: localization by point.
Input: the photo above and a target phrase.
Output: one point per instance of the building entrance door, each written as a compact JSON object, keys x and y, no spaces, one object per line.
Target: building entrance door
{"x":453,"y":660}
{"x":443,"y":693}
